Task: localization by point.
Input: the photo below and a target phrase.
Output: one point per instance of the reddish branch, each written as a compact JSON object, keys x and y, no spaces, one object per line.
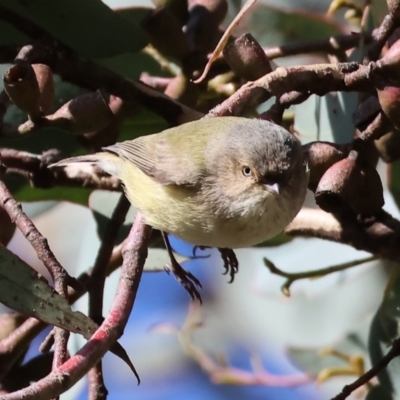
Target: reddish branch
{"x":134,"y":254}
{"x":97,"y":389}
{"x":38,"y":242}
{"x":34,"y":168}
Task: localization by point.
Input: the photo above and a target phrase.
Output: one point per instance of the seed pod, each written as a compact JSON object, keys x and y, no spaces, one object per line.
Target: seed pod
{"x":84,"y":114}
{"x":247,"y":58}
{"x":389,"y":99}
{"x":350,"y":185}
{"x":30,"y":87}
{"x":388,"y":146}
{"x":320,"y":156}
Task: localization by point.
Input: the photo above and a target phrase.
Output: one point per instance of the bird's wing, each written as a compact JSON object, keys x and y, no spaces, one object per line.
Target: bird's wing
{"x":163,"y":162}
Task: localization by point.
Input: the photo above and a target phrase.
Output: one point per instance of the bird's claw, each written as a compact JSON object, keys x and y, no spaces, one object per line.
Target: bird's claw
{"x":186,"y":279}
{"x":231,"y":263}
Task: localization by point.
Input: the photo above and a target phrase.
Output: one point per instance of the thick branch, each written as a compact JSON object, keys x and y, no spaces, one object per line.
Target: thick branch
{"x":380,"y":236}
{"x":312,"y":79}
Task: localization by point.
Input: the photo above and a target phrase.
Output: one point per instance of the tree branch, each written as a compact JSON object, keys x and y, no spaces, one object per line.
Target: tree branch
{"x":134,"y":253}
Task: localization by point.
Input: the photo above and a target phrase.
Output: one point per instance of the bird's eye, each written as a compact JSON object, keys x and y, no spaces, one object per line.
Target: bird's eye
{"x":246,"y":171}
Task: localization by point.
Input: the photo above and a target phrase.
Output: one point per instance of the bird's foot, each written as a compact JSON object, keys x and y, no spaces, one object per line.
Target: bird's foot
{"x":185,"y":278}
{"x":231,"y":263}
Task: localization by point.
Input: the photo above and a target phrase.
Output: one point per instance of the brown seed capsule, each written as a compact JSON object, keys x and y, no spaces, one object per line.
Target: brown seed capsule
{"x":247,"y":58}
{"x":388,"y":146}
{"x":30,"y":87}
{"x":389,"y":99}
{"x":45,"y":80}
{"x":84,"y":114}
{"x":319,"y":157}
{"x":350,"y":185}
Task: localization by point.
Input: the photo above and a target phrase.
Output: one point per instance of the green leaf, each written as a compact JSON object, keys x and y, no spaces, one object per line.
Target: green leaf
{"x":384,"y":330}
{"x":378,"y":392}
{"x":277,"y":240}
{"x":328,"y":118}
{"x":24,"y":290}
{"x":11,"y":36}
{"x":272,"y":26}
{"x":144,"y":123}
{"x":131,"y":65}
{"x":89,"y":27}
{"x":394,"y":181}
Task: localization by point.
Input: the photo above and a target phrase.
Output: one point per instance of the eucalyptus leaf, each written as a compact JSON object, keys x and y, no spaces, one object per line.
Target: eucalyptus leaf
{"x":286,"y":26}
{"x":378,"y":392}
{"x":24,"y":290}
{"x":328,"y":118}
{"x":105,"y":32}
{"x":384,"y":330}
{"x":394,"y":181}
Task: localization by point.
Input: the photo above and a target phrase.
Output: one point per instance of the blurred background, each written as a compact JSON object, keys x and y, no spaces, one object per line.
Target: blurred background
{"x":246,"y":324}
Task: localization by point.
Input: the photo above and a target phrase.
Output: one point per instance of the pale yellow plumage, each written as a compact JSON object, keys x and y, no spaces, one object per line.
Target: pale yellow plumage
{"x":190,"y":180}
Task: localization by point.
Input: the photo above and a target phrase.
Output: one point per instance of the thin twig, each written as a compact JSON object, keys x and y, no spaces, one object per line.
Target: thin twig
{"x":35,"y":238}
{"x":374,"y":371}
{"x":316,"y":273}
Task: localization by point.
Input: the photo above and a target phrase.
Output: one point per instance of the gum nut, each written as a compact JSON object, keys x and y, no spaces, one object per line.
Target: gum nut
{"x":319,"y":157}
{"x":348,"y":185}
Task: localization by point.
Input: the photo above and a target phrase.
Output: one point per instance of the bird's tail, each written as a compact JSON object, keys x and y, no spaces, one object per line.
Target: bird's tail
{"x":108,"y":162}
{"x":88,"y":158}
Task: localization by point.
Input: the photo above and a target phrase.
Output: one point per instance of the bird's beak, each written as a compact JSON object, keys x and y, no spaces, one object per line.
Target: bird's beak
{"x":274,"y":187}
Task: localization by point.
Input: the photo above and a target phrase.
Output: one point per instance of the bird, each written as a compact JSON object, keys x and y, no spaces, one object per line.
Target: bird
{"x":224,"y":182}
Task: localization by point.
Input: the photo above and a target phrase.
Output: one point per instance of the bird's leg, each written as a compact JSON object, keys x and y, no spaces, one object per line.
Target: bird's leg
{"x":228,"y":256}
{"x":231,"y":263}
{"x":199,"y":248}
{"x":185,"y":278}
